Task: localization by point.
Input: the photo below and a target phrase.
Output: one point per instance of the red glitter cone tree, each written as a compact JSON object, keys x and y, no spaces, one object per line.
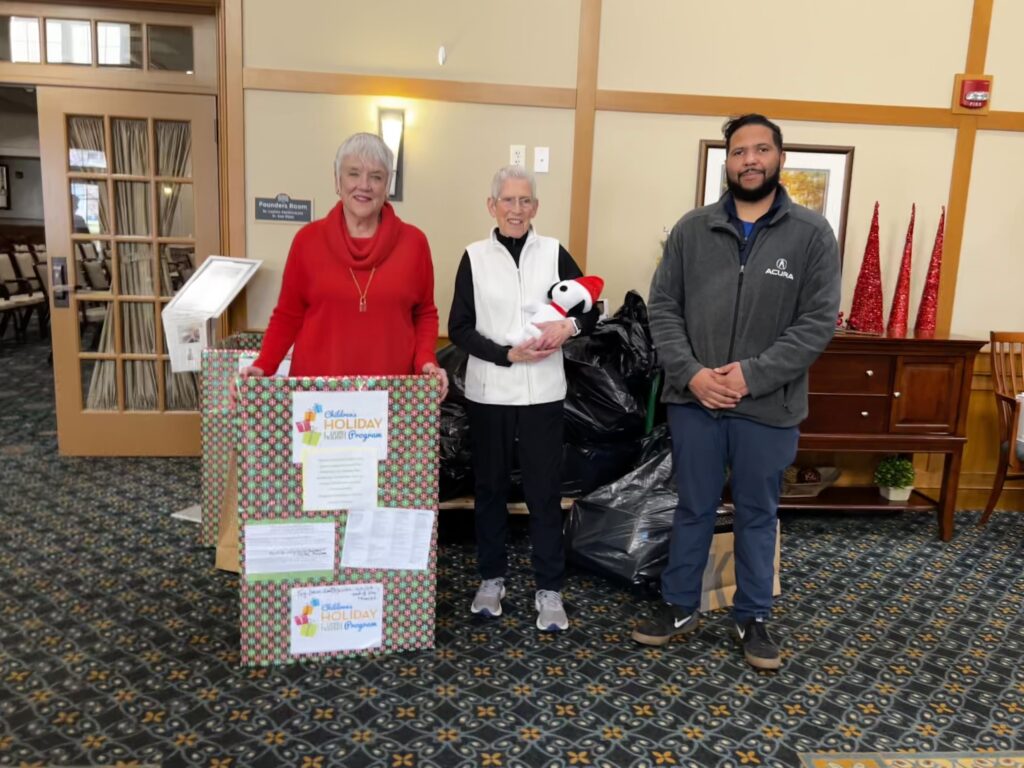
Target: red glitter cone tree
{"x":930,"y":296}
{"x":866,"y":310}
{"x":900,"y":308}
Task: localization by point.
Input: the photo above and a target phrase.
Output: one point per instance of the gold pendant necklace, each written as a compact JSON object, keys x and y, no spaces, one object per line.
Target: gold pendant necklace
{"x":362,"y":291}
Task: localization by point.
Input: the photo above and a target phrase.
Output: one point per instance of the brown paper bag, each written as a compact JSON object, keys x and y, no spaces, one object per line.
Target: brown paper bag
{"x":227,"y":527}
{"x":719,"y":583}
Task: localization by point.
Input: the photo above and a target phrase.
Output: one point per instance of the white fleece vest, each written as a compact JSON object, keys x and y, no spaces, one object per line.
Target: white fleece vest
{"x":504,"y":298}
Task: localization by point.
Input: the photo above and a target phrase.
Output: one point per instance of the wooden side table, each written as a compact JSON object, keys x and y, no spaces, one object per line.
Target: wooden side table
{"x":876,"y":394}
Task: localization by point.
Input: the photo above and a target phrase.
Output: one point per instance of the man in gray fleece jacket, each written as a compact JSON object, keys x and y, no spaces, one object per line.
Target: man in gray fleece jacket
{"x":743,"y":302}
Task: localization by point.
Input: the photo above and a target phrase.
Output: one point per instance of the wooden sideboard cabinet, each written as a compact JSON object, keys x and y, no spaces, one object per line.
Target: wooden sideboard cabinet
{"x":891,"y":395}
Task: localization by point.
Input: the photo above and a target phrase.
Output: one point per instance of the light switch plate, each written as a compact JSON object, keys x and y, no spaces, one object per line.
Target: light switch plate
{"x":540,"y":159}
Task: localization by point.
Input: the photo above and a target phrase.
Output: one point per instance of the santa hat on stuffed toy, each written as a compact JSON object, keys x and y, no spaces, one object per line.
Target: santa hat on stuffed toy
{"x":593,"y":284}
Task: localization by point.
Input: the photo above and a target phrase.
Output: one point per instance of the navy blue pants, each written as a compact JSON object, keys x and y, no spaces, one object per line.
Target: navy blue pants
{"x":702,"y":447}
{"x":493,"y":431}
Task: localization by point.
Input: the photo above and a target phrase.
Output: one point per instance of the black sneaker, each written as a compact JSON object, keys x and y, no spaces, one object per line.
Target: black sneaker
{"x":667,"y":622}
{"x":759,"y":649}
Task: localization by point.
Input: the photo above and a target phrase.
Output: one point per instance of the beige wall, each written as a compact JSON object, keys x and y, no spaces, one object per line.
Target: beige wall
{"x":990,"y":287}
{"x":19,"y":133}
{"x":868,"y":51}
{"x":484,"y":41}
{"x":452,"y":151}
{"x":645,"y":177}
{"x":643,"y":185}
{"x":645,"y":165}
{"x":1006,"y":55}
{"x":897,"y":167}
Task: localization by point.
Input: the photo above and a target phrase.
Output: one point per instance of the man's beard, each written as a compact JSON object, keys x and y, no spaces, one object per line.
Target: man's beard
{"x":767,"y":187}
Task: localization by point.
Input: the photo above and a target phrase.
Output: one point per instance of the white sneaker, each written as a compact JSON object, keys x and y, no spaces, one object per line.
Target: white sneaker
{"x":487,"y":601}
{"x":550,"y":611}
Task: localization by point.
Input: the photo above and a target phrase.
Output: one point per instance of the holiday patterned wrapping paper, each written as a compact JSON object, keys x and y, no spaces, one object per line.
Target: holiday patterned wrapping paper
{"x":218,"y":430}
{"x":270,"y":488}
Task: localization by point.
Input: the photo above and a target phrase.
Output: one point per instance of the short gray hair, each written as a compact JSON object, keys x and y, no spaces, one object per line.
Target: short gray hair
{"x":512,"y":172}
{"x":367,"y":147}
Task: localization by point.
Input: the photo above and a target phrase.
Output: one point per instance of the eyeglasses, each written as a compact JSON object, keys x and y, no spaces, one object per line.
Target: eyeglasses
{"x":524,"y":202}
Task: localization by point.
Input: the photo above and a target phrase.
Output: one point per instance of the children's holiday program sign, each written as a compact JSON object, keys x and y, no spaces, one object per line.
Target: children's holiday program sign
{"x":339,"y":420}
{"x":337,"y":618}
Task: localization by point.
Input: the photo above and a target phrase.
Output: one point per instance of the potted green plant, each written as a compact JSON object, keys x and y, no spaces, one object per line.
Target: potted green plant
{"x":894,"y":477}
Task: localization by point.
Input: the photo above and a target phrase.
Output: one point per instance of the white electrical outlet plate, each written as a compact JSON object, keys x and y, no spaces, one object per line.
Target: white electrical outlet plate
{"x":540,"y":159}
{"x":517,"y":155}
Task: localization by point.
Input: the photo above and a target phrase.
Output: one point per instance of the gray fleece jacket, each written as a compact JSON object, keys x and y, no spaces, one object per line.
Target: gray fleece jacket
{"x":775,"y":314}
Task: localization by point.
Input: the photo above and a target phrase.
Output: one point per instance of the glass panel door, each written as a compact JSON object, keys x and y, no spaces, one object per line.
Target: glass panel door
{"x":135,"y":205}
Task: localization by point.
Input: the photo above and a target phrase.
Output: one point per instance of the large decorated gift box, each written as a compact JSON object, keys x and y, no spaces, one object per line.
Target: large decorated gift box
{"x":337,"y":516}
{"x":218,"y":428}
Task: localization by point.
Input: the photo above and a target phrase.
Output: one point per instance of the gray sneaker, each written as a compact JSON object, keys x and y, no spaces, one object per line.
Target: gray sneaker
{"x":550,"y":611}
{"x":487,"y":601}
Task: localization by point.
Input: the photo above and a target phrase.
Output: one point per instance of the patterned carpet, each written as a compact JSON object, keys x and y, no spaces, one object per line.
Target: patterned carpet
{"x":119,"y":643}
{"x":919,"y":760}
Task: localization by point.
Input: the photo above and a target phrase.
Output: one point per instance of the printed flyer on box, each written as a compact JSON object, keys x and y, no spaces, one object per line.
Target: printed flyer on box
{"x":340,"y":617}
{"x":387,"y":538}
{"x":289,"y":549}
{"x":245,"y":359}
{"x":339,"y":478}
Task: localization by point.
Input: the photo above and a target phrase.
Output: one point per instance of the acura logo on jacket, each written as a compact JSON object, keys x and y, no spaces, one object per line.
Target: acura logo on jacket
{"x":780,"y":270}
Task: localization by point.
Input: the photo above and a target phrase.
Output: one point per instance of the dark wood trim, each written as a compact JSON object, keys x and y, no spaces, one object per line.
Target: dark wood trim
{"x":963,"y":162}
{"x":1001,"y":121}
{"x":232,"y":148}
{"x":977,"y":41}
{"x":956,"y":215}
{"x":168,"y":6}
{"x":779,"y":109}
{"x":407,"y":87}
{"x":583,"y":133}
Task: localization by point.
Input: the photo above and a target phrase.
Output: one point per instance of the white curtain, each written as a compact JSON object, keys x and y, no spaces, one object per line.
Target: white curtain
{"x":103,"y":382}
{"x":131,"y":217}
{"x":174,"y":145}
{"x":174,"y":150}
{"x":85,"y":134}
{"x":136,"y":260}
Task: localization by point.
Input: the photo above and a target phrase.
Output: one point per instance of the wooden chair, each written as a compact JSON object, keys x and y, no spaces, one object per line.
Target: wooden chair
{"x":19,"y":296}
{"x":9,"y":310}
{"x":43,"y":276}
{"x":1007,"y":350}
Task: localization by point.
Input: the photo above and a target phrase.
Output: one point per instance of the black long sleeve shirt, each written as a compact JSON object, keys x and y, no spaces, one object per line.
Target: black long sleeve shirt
{"x":462,"y":317}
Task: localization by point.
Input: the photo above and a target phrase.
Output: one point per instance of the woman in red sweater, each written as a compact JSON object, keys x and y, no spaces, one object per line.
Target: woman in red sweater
{"x":357,"y":297}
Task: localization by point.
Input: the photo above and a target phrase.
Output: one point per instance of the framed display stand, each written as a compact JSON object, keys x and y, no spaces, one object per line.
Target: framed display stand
{"x":342,"y":586}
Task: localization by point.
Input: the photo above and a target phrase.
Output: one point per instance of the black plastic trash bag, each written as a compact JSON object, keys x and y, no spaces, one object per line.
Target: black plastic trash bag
{"x":455,"y":476}
{"x":637,"y":357}
{"x":599,"y":406}
{"x":453,"y":360}
{"x":588,"y":466}
{"x":622,"y":530}
{"x":610,"y":375}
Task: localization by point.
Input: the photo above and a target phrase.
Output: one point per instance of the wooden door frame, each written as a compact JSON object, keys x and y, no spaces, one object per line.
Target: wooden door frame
{"x":113,"y":433}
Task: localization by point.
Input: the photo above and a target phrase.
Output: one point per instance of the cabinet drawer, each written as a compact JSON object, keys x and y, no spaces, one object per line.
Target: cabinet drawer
{"x":835,"y":373}
{"x":843,"y":414}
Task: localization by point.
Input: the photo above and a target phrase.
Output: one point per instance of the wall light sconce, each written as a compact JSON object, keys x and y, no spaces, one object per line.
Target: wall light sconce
{"x":391,"y":127}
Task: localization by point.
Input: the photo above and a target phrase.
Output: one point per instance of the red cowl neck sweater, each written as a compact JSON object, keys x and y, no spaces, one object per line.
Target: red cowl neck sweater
{"x":318,"y":308}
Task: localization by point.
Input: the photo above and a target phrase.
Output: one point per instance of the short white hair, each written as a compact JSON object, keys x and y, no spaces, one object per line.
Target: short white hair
{"x":367,"y":147}
{"x":512,"y":172}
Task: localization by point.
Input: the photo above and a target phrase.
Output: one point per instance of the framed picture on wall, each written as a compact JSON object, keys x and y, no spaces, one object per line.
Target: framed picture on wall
{"x":815,"y":176}
{"x":5,"y":188}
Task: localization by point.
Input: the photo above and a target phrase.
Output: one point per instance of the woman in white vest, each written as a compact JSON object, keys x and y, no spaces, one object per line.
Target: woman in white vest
{"x":515,"y":391}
